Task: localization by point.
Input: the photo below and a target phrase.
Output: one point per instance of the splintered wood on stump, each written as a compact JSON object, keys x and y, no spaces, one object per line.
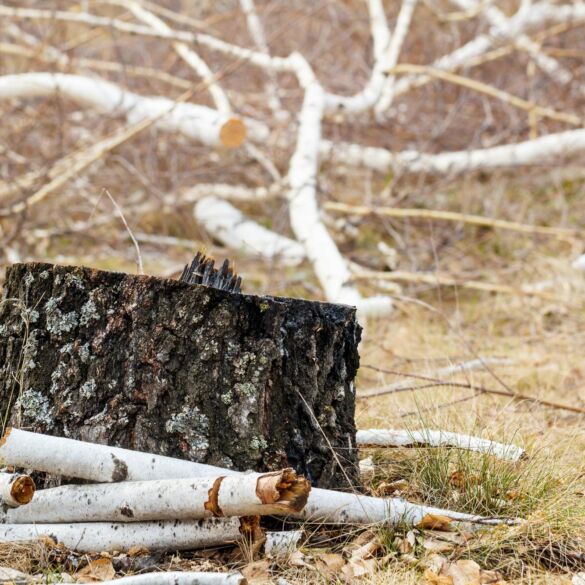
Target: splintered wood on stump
{"x":179,"y":369}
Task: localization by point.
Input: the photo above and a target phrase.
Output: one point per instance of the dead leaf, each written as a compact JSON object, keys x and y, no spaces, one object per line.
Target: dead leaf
{"x":138,"y":551}
{"x":96,"y":572}
{"x":258,"y":572}
{"x":435,"y":522}
{"x":464,"y":572}
{"x":433,"y":579}
{"x":329,"y":564}
{"x":360,"y":568}
{"x":492,"y":578}
{"x":385,"y":488}
{"x":437,"y":546}
{"x":298,"y":559}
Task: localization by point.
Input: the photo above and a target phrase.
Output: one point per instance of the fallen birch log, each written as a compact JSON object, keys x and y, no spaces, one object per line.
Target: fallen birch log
{"x":276,"y":493}
{"x":101,"y":463}
{"x":117,"y":536}
{"x":200,"y":123}
{"x":228,"y":225}
{"x":542,"y":150}
{"x":16,"y":489}
{"x":180,"y":578}
{"x":400,"y":438}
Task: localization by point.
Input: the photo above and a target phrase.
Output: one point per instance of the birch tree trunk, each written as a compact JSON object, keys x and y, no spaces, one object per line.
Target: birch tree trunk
{"x":189,"y":371}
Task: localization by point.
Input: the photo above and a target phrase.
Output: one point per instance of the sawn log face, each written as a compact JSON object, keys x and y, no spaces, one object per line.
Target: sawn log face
{"x":183,"y":370}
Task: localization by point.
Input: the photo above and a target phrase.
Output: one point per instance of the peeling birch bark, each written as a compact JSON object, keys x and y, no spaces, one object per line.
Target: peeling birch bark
{"x":542,"y":150}
{"x":180,"y":578}
{"x":431,"y":438}
{"x":196,"y":122}
{"x":68,"y":457}
{"x":117,"y":536}
{"x":228,"y":225}
{"x":16,"y":489}
{"x":276,"y":493}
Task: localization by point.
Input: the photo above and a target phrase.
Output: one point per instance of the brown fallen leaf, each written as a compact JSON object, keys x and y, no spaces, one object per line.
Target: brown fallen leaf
{"x":138,"y":551}
{"x":437,"y":546}
{"x":464,"y":572}
{"x":329,"y":564}
{"x":257,"y":573}
{"x":96,"y":571}
{"x":433,"y":579}
{"x":435,"y":522}
{"x":360,"y":568}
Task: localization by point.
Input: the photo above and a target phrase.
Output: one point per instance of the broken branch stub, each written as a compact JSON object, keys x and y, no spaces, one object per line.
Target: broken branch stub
{"x":276,"y":493}
{"x":16,"y":489}
{"x":184,"y":370}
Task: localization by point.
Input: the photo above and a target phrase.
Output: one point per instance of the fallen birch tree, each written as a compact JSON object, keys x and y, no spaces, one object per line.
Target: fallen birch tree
{"x":275,"y":493}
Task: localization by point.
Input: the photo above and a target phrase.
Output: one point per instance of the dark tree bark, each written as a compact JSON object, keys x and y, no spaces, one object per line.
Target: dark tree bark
{"x":178,"y":369}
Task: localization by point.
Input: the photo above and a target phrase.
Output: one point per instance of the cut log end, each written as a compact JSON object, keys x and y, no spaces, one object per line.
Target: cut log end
{"x":233,"y":133}
{"x":23,"y":489}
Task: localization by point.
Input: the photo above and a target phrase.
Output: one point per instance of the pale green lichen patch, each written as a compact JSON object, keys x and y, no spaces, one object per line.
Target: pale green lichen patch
{"x":258,"y":443}
{"x":57,"y":322}
{"x":193,"y":425}
{"x":87,"y":390}
{"x":35,"y":406}
{"x":89,"y":312}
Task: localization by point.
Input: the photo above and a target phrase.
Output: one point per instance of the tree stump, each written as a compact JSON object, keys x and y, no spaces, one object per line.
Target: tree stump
{"x":178,"y":369}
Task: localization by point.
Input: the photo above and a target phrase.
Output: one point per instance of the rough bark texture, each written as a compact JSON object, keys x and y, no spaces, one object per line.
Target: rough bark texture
{"x":180,"y":370}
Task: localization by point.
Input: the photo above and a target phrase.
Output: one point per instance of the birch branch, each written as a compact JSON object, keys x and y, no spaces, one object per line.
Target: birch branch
{"x":180,"y":578}
{"x":230,"y":192}
{"x":542,"y":150}
{"x":228,"y":225}
{"x":435,"y":214}
{"x":188,"y":55}
{"x":379,"y":28}
{"x":372,"y":92}
{"x":101,"y":463}
{"x":196,"y":122}
{"x":275,"y":493}
{"x":257,"y":33}
{"x":16,"y":489}
{"x":427,"y":437}
{"x":118,"y":536}
{"x":398,"y":37}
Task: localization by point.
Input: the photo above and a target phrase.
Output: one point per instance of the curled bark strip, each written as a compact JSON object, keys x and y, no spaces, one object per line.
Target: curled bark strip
{"x":16,"y":489}
{"x":211,"y":503}
{"x":283,"y":488}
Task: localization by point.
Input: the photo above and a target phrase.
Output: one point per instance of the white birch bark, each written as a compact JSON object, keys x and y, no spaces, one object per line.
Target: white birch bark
{"x":276,"y":493}
{"x":379,"y":28}
{"x":542,"y":150}
{"x":194,"y":121}
{"x":229,"y":192}
{"x":101,"y":463}
{"x":379,"y":80}
{"x":219,"y":97}
{"x":257,"y":33}
{"x":282,"y":544}
{"x":398,"y":37}
{"x":228,"y":225}
{"x":180,"y":578}
{"x":16,"y":489}
{"x":117,"y":536}
{"x":427,"y":437}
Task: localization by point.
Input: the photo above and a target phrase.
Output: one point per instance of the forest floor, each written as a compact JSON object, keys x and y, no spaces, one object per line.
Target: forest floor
{"x":531,"y":346}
